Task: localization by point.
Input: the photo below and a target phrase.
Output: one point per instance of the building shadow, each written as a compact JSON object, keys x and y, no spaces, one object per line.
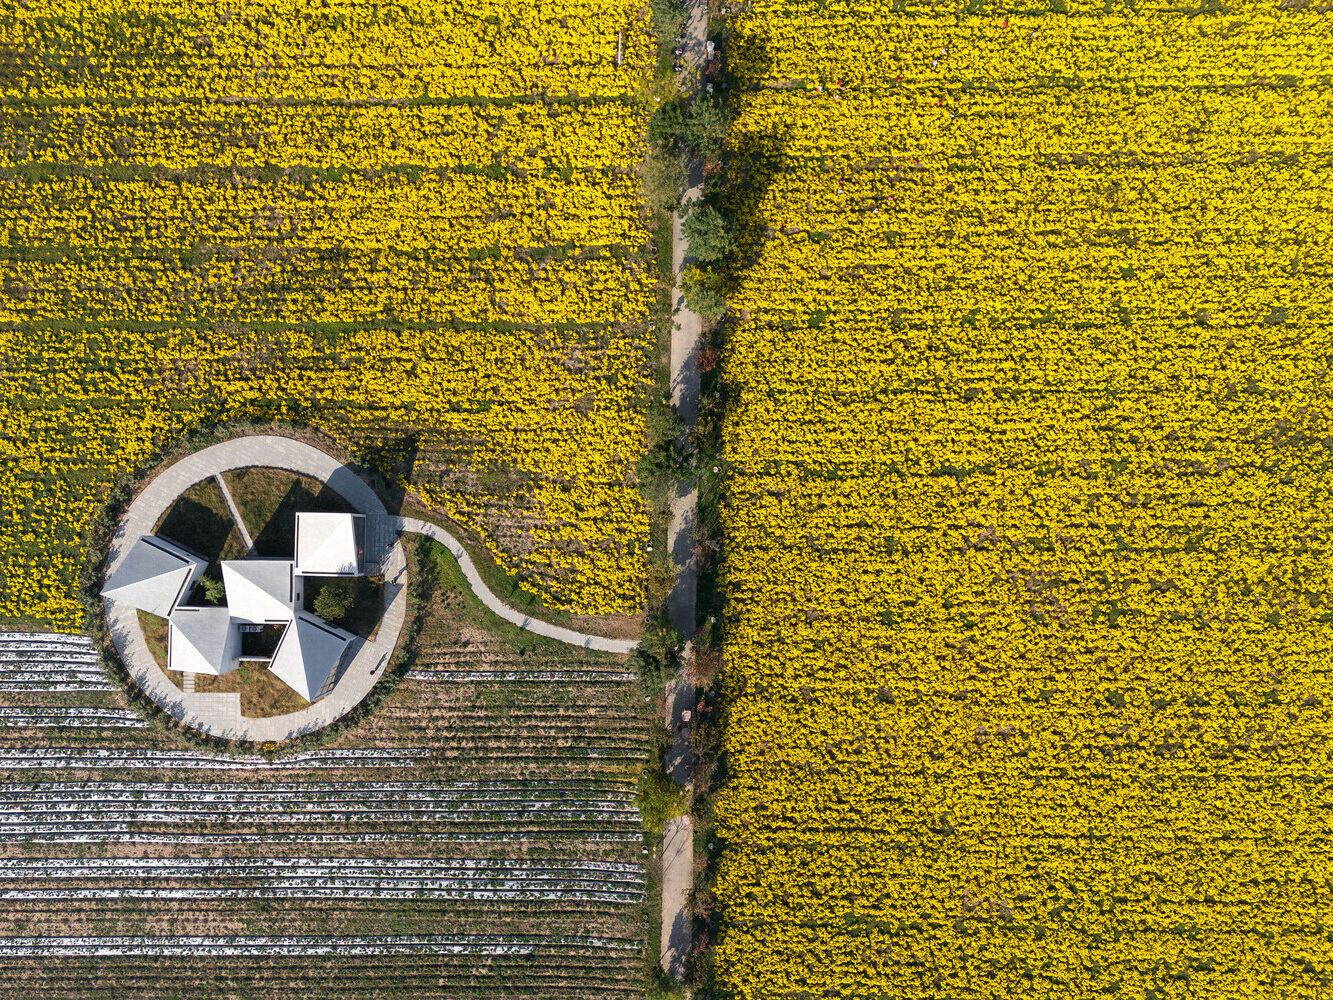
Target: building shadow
{"x":196,"y":528}
{"x":277,"y":538}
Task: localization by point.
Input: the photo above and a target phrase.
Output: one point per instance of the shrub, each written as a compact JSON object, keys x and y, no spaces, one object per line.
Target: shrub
{"x":665,"y":459}
{"x":709,"y":233}
{"x":703,"y":292}
{"x":667,"y":15}
{"x":333,"y":600}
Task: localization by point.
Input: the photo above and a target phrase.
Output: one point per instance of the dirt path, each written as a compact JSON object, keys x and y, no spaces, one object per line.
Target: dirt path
{"x":686,"y":337}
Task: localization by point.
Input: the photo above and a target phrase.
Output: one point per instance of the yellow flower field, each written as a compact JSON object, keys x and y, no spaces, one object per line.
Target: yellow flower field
{"x":1030,"y":617}
{"x":415,"y":226}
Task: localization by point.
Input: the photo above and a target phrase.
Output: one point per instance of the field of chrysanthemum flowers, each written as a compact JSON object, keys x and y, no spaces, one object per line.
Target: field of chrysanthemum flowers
{"x":1029,"y":596}
{"x":414,"y":226}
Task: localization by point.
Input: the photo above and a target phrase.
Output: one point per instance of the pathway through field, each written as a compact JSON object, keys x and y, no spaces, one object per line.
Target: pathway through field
{"x":678,"y":843}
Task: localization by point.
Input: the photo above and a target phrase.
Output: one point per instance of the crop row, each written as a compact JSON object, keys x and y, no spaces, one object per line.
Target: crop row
{"x":528,"y":676}
{"x":309,"y":879}
{"x":50,"y":662}
{"x":54,"y":643}
{"x":101,"y":809}
{"x":594,"y":835}
{"x":256,"y":945}
{"x":558,"y":974}
{"x":61,"y":835}
{"x":282,"y":866}
{"x":514,"y":789}
{"x":336,"y":54}
{"x":60,"y":758}
{"x":184,"y":135}
{"x":72,"y":717}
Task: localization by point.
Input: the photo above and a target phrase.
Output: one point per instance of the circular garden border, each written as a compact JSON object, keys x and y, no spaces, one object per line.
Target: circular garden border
{"x":219,"y":715}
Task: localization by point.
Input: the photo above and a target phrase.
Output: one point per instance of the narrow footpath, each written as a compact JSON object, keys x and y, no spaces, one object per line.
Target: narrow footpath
{"x":686,"y":331}
{"x":235,"y":514}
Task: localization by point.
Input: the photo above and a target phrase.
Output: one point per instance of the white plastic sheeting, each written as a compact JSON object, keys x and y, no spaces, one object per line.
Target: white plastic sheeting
{"x":77,"y":757}
{"x":71,"y":717}
{"x":100,"y":808}
{"x":320,"y":878}
{"x":256,"y":944}
{"x":48,"y":661}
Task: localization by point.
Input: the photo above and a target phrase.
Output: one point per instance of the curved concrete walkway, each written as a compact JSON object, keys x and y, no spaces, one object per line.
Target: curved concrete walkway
{"x":500,"y":608}
{"x":219,"y":714}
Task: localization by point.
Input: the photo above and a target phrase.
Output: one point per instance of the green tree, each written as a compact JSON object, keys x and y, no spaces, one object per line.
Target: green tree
{"x":663,"y":421}
{"x":666,"y":128}
{"x":703,"y":292}
{"x":214,"y":591}
{"x":706,"y":127}
{"x":657,"y":655}
{"x":333,"y":601}
{"x":659,"y":799}
{"x":709,"y":233}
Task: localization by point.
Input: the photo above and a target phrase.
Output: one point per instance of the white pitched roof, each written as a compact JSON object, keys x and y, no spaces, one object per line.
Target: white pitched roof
{"x":155,"y":576}
{"x":202,"y":641}
{"x":328,"y":544}
{"x":259,"y":590}
{"x":309,"y":651}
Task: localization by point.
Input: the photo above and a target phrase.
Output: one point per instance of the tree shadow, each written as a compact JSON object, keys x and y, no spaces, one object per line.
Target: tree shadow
{"x":388,"y":465}
{"x":754,"y":158}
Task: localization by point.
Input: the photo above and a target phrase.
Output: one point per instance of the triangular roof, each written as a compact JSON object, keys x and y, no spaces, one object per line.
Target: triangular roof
{"x":155,"y":576}
{"x":202,"y":641}
{"x":259,"y":590}
{"x":329,"y":544}
{"x":309,"y":651}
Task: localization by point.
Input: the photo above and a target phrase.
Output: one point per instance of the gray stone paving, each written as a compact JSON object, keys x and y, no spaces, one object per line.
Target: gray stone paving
{"x":677,"y":879}
{"x":219,"y":714}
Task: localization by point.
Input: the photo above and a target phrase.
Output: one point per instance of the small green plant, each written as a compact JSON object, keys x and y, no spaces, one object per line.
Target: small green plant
{"x":214,"y":591}
{"x":333,"y":600}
